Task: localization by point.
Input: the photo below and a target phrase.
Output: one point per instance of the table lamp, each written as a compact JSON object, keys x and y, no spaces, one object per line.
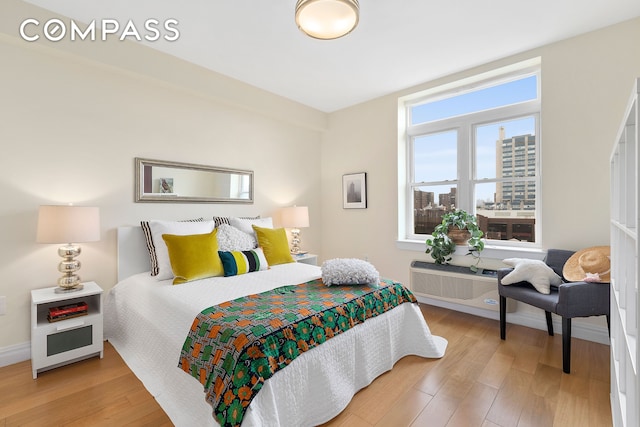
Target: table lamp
{"x":295,"y":217}
{"x":70,"y":225}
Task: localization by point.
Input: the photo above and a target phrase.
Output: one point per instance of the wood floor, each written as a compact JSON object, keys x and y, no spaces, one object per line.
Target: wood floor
{"x":481,"y":381}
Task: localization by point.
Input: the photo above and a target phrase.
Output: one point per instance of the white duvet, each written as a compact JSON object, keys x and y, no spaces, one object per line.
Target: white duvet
{"x":147,"y":321}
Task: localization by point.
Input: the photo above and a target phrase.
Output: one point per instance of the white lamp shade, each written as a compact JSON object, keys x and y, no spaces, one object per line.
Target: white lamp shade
{"x":295,"y":217}
{"x":68,"y":224}
{"x":327,"y":19}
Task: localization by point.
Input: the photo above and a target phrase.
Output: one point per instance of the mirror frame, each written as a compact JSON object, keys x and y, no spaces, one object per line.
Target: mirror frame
{"x":140,"y":196}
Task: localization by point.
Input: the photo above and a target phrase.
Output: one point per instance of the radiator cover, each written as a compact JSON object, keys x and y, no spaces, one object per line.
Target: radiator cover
{"x":457,"y":284}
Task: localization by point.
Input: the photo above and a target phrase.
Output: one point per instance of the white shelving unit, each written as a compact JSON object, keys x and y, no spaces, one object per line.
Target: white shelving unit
{"x":625,"y":386}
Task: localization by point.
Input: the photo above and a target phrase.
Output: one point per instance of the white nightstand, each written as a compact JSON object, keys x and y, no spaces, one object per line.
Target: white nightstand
{"x":311,"y":259}
{"x":65,"y":341}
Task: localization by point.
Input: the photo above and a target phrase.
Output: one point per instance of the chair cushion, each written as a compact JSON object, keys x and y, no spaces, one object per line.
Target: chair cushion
{"x":526,"y":293}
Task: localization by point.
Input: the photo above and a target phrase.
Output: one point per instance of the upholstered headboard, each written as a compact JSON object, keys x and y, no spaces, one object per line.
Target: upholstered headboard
{"x":133,"y":256}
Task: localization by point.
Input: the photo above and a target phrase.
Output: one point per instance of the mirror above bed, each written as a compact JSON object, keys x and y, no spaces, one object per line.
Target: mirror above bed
{"x":174,"y":182}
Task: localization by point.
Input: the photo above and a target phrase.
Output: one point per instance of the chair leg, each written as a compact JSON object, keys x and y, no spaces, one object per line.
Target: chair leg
{"x":503,"y":315}
{"x":549,"y":323}
{"x":566,"y":345}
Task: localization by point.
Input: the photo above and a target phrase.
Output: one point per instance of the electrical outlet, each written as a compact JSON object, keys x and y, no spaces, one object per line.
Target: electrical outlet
{"x":3,"y":306}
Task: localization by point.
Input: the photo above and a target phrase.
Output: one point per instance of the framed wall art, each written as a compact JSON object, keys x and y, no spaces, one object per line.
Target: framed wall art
{"x":354,"y":191}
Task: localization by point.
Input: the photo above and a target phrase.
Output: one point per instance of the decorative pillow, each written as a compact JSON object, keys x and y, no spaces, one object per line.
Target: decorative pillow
{"x":158,"y":228}
{"x":241,"y":262}
{"x":219,"y":220}
{"x":275,"y":245}
{"x":232,"y":239}
{"x":193,"y":257}
{"x":246,"y":225}
{"x":151,"y":247}
{"x":349,"y":271}
{"x":536,"y":272}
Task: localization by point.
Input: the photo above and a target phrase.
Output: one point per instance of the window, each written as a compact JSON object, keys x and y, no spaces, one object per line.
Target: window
{"x":474,"y":146}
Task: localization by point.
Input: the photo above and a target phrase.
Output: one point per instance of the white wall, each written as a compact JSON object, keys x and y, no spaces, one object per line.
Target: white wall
{"x":586,"y":82}
{"x":72,"y":120}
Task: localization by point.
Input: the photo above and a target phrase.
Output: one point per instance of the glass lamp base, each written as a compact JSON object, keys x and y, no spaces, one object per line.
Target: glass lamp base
{"x":70,"y":281}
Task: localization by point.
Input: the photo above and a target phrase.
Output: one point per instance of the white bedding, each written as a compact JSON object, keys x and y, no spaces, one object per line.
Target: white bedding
{"x":147,"y":321}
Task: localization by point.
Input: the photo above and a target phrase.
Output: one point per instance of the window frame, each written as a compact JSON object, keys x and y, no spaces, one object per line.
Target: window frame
{"x":466,"y":125}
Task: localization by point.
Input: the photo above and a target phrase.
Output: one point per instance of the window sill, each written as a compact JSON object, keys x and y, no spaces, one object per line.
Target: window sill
{"x":489,"y":252}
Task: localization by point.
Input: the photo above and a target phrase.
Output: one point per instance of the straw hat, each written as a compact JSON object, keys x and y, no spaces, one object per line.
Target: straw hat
{"x":592,"y":264}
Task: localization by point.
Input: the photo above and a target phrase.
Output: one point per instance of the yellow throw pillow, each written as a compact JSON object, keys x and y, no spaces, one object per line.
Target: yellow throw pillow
{"x":194,"y":256}
{"x":274,"y":244}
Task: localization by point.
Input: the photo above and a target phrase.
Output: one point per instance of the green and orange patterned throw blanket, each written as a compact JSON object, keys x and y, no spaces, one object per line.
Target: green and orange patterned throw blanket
{"x":234,"y":347}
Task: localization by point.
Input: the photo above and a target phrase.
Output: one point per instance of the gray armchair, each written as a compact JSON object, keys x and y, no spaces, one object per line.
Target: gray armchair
{"x":569,"y":300}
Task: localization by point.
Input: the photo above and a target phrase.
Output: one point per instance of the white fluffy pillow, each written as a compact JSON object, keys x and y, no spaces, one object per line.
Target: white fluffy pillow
{"x":536,"y":272}
{"x":231,"y":239}
{"x":348,"y":271}
{"x":158,"y":228}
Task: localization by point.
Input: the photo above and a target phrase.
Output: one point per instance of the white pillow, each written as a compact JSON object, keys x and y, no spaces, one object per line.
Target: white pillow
{"x":219,"y":220}
{"x":245,"y":224}
{"x":536,"y":272}
{"x":349,"y":271}
{"x":158,"y":228}
{"x":231,"y":239}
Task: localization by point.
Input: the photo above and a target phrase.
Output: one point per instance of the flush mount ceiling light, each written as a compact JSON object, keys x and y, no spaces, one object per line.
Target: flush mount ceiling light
{"x":327,"y":19}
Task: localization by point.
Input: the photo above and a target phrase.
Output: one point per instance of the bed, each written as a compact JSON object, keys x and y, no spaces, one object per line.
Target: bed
{"x":147,"y":320}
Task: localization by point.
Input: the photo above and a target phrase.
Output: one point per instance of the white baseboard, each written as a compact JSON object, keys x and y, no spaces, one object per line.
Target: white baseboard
{"x":15,"y":353}
{"x":583,"y":331}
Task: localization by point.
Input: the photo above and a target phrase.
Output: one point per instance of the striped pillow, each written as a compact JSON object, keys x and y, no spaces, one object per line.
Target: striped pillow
{"x":241,"y":262}
{"x":151,"y":246}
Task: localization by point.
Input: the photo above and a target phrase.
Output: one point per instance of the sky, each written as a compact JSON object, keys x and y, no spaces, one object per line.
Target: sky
{"x":508,"y":93}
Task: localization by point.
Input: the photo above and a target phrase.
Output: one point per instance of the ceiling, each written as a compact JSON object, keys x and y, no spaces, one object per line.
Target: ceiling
{"x":398,"y":43}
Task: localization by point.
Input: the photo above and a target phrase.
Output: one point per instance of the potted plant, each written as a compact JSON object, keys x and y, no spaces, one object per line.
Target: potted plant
{"x":445,"y":237}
